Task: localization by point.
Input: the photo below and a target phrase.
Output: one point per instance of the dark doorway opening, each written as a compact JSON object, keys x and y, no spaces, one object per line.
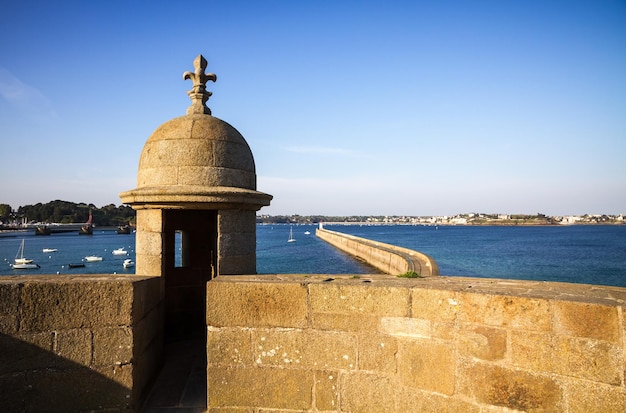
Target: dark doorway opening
{"x":189,"y":265}
{"x":190,"y":261}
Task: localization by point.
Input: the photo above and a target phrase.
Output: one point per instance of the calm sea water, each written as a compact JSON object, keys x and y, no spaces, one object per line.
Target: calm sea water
{"x":581,"y":254}
{"x":72,"y":248}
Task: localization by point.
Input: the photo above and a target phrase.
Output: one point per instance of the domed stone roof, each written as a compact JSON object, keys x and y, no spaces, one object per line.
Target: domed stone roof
{"x":196,"y":158}
{"x":196,"y":150}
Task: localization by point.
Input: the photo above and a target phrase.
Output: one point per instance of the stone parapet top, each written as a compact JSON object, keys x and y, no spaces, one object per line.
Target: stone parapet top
{"x":64,"y":278}
{"x":596,"y":294}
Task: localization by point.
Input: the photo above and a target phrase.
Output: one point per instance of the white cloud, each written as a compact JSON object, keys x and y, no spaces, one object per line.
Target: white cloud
{"x":25,"y":98}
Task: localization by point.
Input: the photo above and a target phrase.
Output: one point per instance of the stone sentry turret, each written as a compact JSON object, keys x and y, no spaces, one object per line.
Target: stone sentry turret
{"x":196,"y":183}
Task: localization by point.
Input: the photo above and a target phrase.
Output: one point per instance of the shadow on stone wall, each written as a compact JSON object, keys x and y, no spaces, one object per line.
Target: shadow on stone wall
{"x":33,"y":379}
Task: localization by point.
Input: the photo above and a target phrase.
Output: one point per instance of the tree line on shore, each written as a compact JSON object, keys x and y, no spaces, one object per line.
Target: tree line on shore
{"x":64,"y":212}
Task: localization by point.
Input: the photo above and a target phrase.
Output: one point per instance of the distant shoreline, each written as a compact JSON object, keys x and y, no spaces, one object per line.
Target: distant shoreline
{"x":485,"y":224}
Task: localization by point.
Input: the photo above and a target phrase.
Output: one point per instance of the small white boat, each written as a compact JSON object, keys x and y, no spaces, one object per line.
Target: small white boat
{"x":25,"y":266}
{"x":19,"y":257}
{"x":128,"y":263}
{"x":92,"y":258}
{"x":49,"y":250}
{"x":307,"y":233}
{"x":119,"y":251}
{"x":291,"y":238}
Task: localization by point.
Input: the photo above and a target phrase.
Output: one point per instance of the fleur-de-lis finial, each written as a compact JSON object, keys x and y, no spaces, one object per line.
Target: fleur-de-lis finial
{"x":198,"y":93}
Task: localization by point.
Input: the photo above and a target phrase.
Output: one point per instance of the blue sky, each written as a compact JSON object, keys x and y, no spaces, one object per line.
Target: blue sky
{"x":349,"y":107}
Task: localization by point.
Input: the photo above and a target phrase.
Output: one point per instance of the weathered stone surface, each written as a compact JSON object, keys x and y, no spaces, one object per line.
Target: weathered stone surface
{"x":150,"y":220}
{"x":345,"y":322}
{"x":261,"y":387}
{"x":196,"y":141}
{"x":444,"y":331}
{"x":353,"y":298}
{"x":583,"y":397}
{"x":212,"y":177}
{"x":10,"y":292}
{"x":233,"y":155}
{"x":436,"y":305}
{"x":237,"y":244}
{"x":69,"y":303}
{"x":112,"y":346}
{"x":9,"y":324}
{"x":149,"y":243}
{"x":237,"y":221}
{"x":377,"y":353}
{"x":513,"y":389}
{"x":505,"y":311}
{"x":479,"y":351}
{"x":148,"y":329}
{"x":406,"y":327}
{"x":74,"y":391}
{"x":218,"y":130}
{"x":74,"y":345}
{"x":623,"y":310}
{"x":9,"y":296}
{"x":305,"y":349}
{"x":229,"y":347}
{"x":590,"y":359}
{"x":74,"y":350}
{"x":147,"y":295}
{"x":326,"y":390}
{"x":163,"y":175}
{"x":119,"y":374}
{"x":175,"y":152}
{"x":256,"y":304}
{"x":427,"y":365}
{"x":149,"y":265}
{"x":237,"y":264}
{"x":485,"y":343}
{"x":536,"y":351}
{"x":577,"y":319}
{"x":366,"y":392}
{"x":410,"y":400}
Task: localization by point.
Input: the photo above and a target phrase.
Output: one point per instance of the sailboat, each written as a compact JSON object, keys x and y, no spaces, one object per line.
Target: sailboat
{"x":22,"y":263}
{"x":87,"y":229}
{"x":291,"y":238}
{"x":19,"y":257}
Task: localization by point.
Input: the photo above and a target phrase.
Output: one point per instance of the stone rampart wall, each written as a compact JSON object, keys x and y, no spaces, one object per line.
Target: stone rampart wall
{"x":78,"y":343}
{"x":297,"y":343}
{"x":388,"y":258}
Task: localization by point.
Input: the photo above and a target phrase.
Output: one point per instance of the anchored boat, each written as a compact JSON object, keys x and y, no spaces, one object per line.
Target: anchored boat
{"x":19,"y":257}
